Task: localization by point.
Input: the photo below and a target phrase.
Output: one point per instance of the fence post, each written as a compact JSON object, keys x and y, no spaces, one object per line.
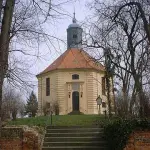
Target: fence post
{"x":51,"y":117}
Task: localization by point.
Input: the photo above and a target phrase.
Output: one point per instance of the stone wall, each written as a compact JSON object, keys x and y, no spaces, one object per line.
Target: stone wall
{"x":139,"y":140}
{"x":18,"y":139}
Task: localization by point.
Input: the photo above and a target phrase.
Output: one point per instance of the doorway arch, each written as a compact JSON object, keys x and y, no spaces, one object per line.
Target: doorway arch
{"x":75,"y":101}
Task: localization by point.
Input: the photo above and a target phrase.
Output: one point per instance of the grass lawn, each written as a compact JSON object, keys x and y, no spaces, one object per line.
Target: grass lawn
{"x":62,"y":120}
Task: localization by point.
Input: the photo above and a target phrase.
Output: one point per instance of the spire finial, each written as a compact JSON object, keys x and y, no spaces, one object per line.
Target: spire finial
{"x":74,"y":17}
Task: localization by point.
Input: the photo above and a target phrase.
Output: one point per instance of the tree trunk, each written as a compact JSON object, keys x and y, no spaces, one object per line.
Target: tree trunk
{"x":14,"y":115}
{"x":139,"y":89}
{"x":108,"y":93}
{"x":125,"y":99}
{"x":1,"y":7}
{"x":4,"y":44}
{"x":132,"y":102}
{"x":114,"y":101}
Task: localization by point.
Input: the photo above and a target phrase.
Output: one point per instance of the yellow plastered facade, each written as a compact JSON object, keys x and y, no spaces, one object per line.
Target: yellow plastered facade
{"x":61,"y":89}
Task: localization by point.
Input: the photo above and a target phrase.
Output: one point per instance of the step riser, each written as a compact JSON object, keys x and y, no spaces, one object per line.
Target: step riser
{"x":73,"y":127}
{"x":77,"y":139}
{"x":74,"y":135}
{"x":70,"y":130}
{"x":74,"y":144}
{"x":87,"y":148}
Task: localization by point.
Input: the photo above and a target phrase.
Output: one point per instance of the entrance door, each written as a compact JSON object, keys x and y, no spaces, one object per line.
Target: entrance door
{"x":75,"y":101}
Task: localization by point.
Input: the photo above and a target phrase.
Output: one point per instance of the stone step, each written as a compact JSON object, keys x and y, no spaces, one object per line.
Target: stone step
{"x":75,"y":148}
{"x":62,"y":139}
{"x":74,"y":130}
{"x":74,"y":138}
{"x":87,"y":143}
{"x":73,"y":134}
{"x":73,"y":127}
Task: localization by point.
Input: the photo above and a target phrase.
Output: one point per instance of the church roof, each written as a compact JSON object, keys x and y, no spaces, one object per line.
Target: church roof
{"x":74,"y":59}
{"x":74,"y":25}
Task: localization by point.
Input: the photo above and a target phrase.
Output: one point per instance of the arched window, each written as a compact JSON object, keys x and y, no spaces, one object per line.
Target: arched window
{"x":75,"y":76}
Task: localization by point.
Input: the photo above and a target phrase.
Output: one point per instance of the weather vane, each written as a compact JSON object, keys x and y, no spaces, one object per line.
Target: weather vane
{"x":74,"y":16}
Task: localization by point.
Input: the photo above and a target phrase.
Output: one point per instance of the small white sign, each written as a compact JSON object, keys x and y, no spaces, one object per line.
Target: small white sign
{"x":99,"y":100}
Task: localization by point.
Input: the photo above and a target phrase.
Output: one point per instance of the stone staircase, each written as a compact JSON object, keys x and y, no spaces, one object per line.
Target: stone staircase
{"x":74,"y":138}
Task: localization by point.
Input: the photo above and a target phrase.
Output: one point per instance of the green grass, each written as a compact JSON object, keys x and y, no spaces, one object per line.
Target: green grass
{"x":62,"y":120}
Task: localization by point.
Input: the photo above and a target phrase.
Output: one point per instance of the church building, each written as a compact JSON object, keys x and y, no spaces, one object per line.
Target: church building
{"x":74,"y":81}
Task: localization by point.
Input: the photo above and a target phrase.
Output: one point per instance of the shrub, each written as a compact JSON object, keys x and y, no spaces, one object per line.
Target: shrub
{"x":56,"y":108}
{"x":117,"y":132}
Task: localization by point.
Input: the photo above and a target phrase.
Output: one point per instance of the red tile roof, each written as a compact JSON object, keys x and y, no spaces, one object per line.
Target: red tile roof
{"x":74,"y":58}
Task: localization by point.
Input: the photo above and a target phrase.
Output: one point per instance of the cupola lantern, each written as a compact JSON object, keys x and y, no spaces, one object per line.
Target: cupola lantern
{"x":74,"y":35}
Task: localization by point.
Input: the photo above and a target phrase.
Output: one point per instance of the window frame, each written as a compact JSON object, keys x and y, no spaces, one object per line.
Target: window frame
{"x":74,"y":36}
{"x":75,"y":77}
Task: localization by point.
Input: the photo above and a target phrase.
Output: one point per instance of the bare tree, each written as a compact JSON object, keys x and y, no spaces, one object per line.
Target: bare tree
{"x":143,"y":13}
{"x":4,"y":42}
{"x":23,"y":21}
{"x":126,"y":40}
{"x":13,"y":104}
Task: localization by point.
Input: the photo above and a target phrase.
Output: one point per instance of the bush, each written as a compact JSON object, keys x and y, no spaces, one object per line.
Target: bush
{"x":56,"y":108}
{"x":48,"y":108}
{"x":117,"y":132}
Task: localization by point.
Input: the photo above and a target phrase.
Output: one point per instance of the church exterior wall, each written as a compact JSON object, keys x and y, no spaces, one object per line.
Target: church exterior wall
{"x":64,"y":86}
{"x":42,"y":98}
{"x":94,"y":89}
{"x":61,"y":88}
